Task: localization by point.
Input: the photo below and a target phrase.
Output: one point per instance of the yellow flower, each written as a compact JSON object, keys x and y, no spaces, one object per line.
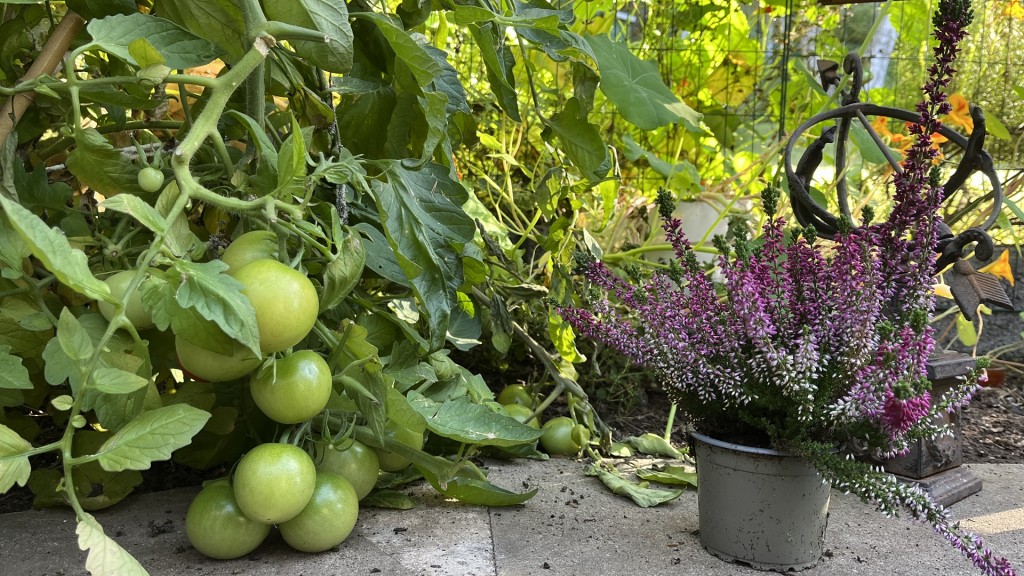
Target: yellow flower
{"x":1000,"y":267}
{"x":960,"y":115}
{"x":1013,"y":10}
{"x":942,"y":290}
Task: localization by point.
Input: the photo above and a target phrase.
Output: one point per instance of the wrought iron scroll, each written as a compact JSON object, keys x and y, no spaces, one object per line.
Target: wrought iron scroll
{"x":961,"y":277}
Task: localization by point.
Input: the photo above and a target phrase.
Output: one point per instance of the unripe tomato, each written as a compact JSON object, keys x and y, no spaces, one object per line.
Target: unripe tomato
{"x":213,"y":367}
{"x":327,"y":519}
{"x":273,"y":482}
{"x":285,"y":300}
{"x":217,"y":527}
{"x":564,"y":437}
{"x":295,"y":390}
{"x":391,"y":462}
{"x":134,"y":309}
{"x":522,"y":414}
{"x":150,"y":179}
{"x":515,"y":394}
{"x":358,"y":464}
{"x":250,"y":247}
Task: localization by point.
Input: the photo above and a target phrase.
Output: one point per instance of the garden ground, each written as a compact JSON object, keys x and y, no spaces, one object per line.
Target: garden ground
{"x":573,"y":526}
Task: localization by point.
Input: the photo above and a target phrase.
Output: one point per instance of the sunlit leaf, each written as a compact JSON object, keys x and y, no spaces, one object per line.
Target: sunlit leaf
{"x":152,"y":436}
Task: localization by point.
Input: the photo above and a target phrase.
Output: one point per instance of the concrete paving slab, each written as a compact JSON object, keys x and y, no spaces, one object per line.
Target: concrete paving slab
{"x":572,"y":527}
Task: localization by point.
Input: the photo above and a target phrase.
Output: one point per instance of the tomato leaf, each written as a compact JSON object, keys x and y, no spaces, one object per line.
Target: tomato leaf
{"x":426,"y":229}
{"x":673,"y":475}
{"x":106,"y":557}
{"x":639,"y":493}
{"x":139,"y":209}
{"x":99,"y":166}
{"x":499,"y":62}
{"x":73,"y":339}
{"x":477,"y":492}
{"x":636,"y":88}
{"x":180,"y":48}
{"x":331,"y":18}
{"x":152,"y":436}
{"x":14,"y":465}
{"x":469,"y":423}
{"x":68,"y":264}
{"x":422,"y":66}
{"x":653,"y":445}
{"x":117,"y":381}
{"x":581,"y":141}
{"x":392,"y":499}
{"x":219,"y":21}
{"x":218,"y":297}
{"x":13,"y":375}
{"x":291,"y":164}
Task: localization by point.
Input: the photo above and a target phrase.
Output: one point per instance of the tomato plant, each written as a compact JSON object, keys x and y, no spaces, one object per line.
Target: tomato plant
{"x":285,"y":301}
{"x":294,"y":389}
{"x":342,"y":156}
{"x":216,"y":526}
{"x":327,"y":519}
{"x":358,"y":463}
{"x":273,"y":482}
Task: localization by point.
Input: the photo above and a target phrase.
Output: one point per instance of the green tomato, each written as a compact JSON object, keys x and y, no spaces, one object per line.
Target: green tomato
{"x":207,"y":365}
{"x":391,"y":462}
{"x":285,"y":300}
{"x":515,"y":394}
{"x":327,"y":519}
{"x":522,"y":414}
{"x":217,"y":527}
{"x":134,"y":309}
{"x":295,"y":390}
{"x":250,"y":247}
{"x":564,"y":437}
{"x":358,"y":464}
{"x":274,"y":482}
{"x":150,"y":179}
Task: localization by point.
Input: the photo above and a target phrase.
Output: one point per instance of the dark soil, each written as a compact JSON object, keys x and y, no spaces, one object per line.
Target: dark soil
{"x":993,"y":424}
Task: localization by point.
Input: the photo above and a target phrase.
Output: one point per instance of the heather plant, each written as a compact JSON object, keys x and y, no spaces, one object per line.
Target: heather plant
{"x":819,"y":350}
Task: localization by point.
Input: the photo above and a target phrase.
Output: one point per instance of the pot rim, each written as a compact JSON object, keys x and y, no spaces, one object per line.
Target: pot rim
{"x":736,"y":447}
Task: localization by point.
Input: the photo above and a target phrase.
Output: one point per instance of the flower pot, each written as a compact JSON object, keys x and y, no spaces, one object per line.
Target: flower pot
{"x":760,"y":507}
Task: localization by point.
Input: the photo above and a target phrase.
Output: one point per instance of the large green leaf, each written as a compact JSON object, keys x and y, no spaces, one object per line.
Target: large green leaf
{"x":219,"y":21}
{"x":99,"y":166}
{"x":581,"y":141}
{"x":325,"y":16}
{"x":106,"y":557}
{"x":179,"y":47}
{"x":636,"y":88}
{"x":364,"y":114}
{"x":406,"y":48}
{"x":14,"y":465}
{"x":426,"y":228}
{"x":153,"y":436}
{"x":499,"y":62}
{"x":68,"y":264}
{"x":469,"y":423}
